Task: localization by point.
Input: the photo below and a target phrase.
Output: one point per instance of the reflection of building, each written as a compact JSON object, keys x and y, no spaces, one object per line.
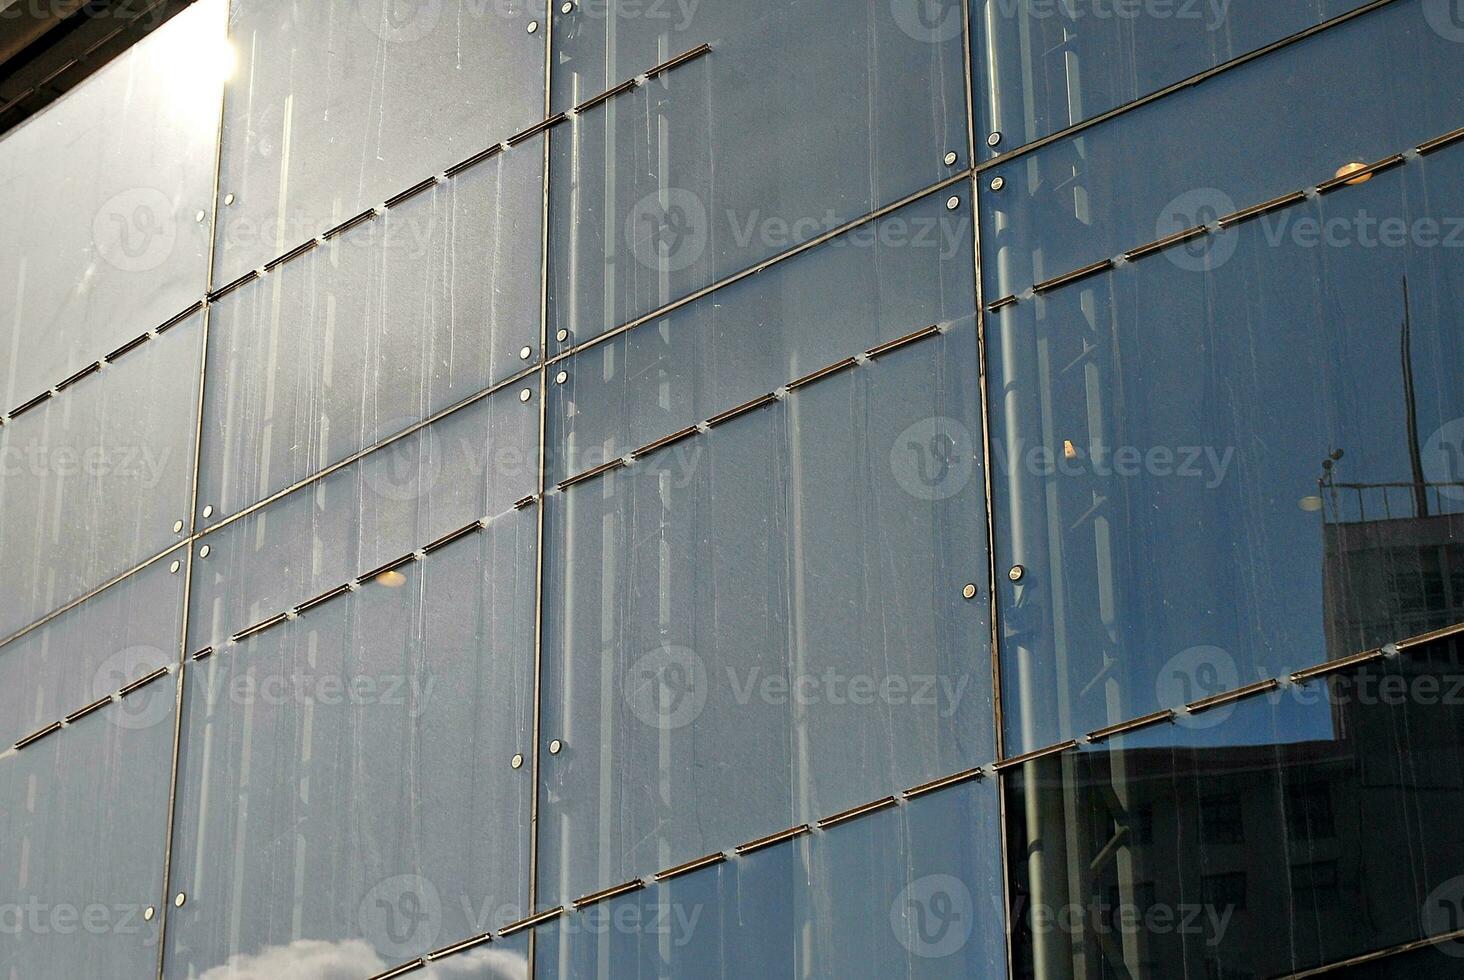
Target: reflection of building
{"x":1387,"y":573}
{"x":1392,"y":565}
{"x":1247,"y":861}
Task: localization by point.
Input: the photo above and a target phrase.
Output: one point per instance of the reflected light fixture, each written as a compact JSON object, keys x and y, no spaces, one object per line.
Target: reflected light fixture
{"x":1310,"y":504}
{"x":1352,"y":168}
{"x":392,"y":579}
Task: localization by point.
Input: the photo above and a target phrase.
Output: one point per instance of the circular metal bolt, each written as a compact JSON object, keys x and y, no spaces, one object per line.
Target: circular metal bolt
{"x":533,"y":26}
{"x":228,"y":200}
{"x":566,"y":7}
{"x":199,"y":216}
{"x":177,"y":527}
{"x":969,"y":591}
{"x":525,"y":395}
{"x":952,"y":203}
{"x":148,"y":913}
{"x":179,"y":900}
{"x":518,"y":762}
{"x":203,"y":552}
{"x":1016,"y":572}
{"x":993,"y":140}
{"x":997,"y":183}
{"x":173,"y":568}
{"x":951,"y":158}
{"x":561,"y":377}
{"x":208,"y":512}
{"x":555,"y":747}
{"x":562,"y":336}
{"x":525,"y":353}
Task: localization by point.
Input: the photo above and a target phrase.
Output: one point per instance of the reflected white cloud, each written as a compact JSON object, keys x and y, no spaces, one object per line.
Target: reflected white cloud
{"x":483,"y":963}
{"x":353,"y":959}
{"x":303,"y":959}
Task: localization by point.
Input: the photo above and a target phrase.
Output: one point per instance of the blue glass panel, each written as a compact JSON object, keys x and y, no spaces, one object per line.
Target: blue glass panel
{"x":874,"y":284}
{"x":100,"y":197}
{"x":83,"y":825}
{"x":1370,"y":88}
{"x":1043,"y":65}
{"x":1285,"y":833}
{"x":95,"y":480}
{"x":114,"y":638}
{"x":909,"y":891}
{"x":1214,"y":472}
{"x":764,"y":624}
{"x":334,"y":108}
{"x":348,"y":794}
{"x":803,"y":116}
{"x":471,"y":464}
{"x":391,"y":321}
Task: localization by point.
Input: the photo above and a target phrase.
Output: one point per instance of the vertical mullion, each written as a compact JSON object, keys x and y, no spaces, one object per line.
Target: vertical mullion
{"x":991,"y":576}
{"x":193,"y":529}
{"x":534,"y":753}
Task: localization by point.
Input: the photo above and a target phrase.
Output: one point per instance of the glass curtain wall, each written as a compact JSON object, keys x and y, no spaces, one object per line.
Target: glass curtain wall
{"x":794,"y":488}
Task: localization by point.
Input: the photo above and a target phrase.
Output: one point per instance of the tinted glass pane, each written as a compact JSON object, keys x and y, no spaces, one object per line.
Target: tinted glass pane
{"x":83,"y":822}
{"x":1043,"y":65}
{"x":471,"y":464}
{"x":388,"y":323}
{"x":903,"y":892}
{"x":1112,"y":872}
{"x":877,"y":283}
{"x":804,"y":116}
{"x":100,"y":197}
{"x":1220,"y":470}
{"x":336,"y":107}
{"x":1275,"y":126}
{"x":764,"y":624}
{"x":101,"y":646}
{"x":348,"y":794}
{"x":93,"y":481}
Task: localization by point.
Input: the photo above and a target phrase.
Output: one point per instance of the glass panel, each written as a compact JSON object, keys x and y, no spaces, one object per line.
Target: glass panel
{"x":348,"y":798}
{"x":388,"y":323}
{"x":1043,"y":65}
{"x":767,"y":619}
{"x":909,"y":891}
{"x":101,"y":646}
{"x":100,"y":196}
{"x":83,"y":823}
{"x":473,"y":463}
{"x":93,"y":481}
{"x":1275,"y":126}
{"x":1347,"y":838}
{"x":1219,"y":475}
{"x":337,"y":107}
{"x":800,"y":119}
{"x":882,"y":281}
